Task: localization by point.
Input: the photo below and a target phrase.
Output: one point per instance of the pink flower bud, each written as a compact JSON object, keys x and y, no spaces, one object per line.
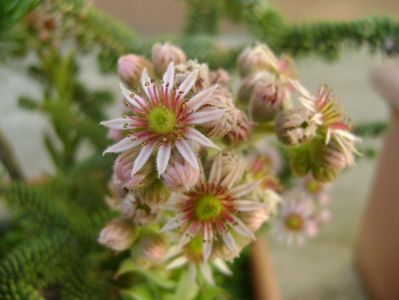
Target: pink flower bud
{"x":130,"y":67}
{"x":267,"y":100}
{"x":220,"y":77}
{"x":248,"y":85}
{"x":123,"y":171}
{"x":163,"y":54}
{"x":180,"y":176}
{"x":242,"y":131}
{"x":117,"y":235}
{"x":255,"y":219}
{"x":258,"y":58}
{"x":153,"y":247}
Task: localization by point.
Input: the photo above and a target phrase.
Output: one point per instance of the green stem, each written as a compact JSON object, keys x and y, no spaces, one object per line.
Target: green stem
{"x":9,"y":160}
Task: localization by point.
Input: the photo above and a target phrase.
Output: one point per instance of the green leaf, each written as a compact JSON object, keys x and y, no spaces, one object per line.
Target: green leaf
{"x":128,"y":267}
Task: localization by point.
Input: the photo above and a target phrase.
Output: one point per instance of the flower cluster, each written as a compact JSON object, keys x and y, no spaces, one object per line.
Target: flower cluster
{"x":199,"y":172}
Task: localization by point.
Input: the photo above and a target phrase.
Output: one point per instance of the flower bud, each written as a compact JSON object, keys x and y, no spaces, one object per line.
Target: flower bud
{"x":267,"y":100}
{"x":243,"y":129}
{"x":153,"y":247}
{"x":329,"y":162}
{"x":130,"y":67}
{"x":254,"y":219}
{"x":223,"y":100}
{"x":295,"y":127}
{"x":232,"y":163}
{"x":123,"y":171}
{"x":164,"y":54}
{"x":117,"y":235}
{"x":248,"y":84}
{"x":183,"y":70}
{"x":154,"y":194}
{"x":255,"y":59}
{"x":220,"y":77}
{"x":180,"y":176}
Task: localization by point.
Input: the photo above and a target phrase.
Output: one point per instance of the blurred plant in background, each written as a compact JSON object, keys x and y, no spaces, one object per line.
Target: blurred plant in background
{"x":203,"y":166}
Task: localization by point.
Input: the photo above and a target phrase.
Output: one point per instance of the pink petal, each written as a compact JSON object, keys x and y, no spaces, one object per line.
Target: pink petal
{"x":142,"y":158}
{"x":243,"y":189}
{"x":123,"y":145}
{"x":206,"y":271}
{"x":130,"y":96}
{"x":222,"y":267}
{"x":249,"y":205}
{"x":189,"y":234}
{"x":205,"y":116}
{"x":201,"y":98}
{"x":163,"y":157}
{"x":173,"y":223}
{"x":168,"y":77}
{"x":187,"y":152}
{"x":207,"y":241}
{"x":146,"y":82}
{"x":177,"y":262}
{"x":188,"y":83}
{"x":230,"y":242}
{"x":240,"y":227}
{"x":215,"y":175}
{"x":118,"y":123}
{"x":198,"y":137}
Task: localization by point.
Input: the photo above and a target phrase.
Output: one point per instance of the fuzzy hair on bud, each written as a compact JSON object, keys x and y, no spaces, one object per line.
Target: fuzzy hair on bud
{"x":118,"y":235}
{"x":164,"y":54}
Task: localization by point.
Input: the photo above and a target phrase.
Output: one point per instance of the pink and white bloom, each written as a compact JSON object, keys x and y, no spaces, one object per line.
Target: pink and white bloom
{"x":163,"y":119}
{"x":296,"y":219}
{"x":211,"y":210}
{"x":329,"y":114}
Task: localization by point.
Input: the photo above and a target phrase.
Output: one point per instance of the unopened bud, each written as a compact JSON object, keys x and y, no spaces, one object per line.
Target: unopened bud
{"x":164,"y":54}
{"x":254,"y":219}
{"x":220,"y":77}
{"x":295,"y":127}
{"x":117,"y":235}
{"x":154,"y":194}
{"x":130,"y":67}
{"x":153,"y":247}
{"x":267,"y":100}
{"x":255,"y":59}
{"x":248,"y":85}
{"x":243,"y":129}
{"x":222,"y":100}
{"x":180,"y":176}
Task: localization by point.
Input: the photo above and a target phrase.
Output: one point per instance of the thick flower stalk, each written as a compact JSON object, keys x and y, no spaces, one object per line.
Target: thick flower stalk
{"x":163,"y":119}
{"x":211,"y":209}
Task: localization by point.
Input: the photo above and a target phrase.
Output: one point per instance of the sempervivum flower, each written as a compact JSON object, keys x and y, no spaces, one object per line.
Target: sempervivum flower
{"x":163,"y":119}
{"x":329,"y":115}
{"x":295,"y":221}
{"x":191,"y":255}
{"x":164,"y":54}
{"x":210,"y":210}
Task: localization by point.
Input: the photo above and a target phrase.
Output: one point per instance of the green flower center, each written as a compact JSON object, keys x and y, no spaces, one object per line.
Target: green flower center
{"x":208,"y":207}
{"x":294,"y":222}
{"x":162,"y":120}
